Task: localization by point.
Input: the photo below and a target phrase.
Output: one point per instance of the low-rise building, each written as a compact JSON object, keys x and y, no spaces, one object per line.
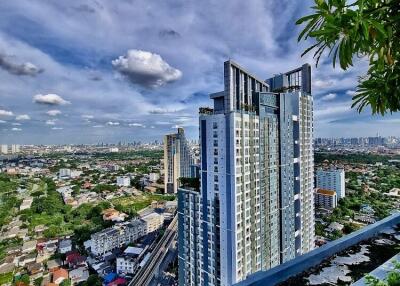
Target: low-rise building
{"x":335,"y":226}
{"x":29,"y":246}
{"x":123,"y":181}
{"x":128,"y":262}
{"x":325,"y":198}
{"x":26,"y":204}
{"x":79,"y":274}
{"x":64,"y":173}
{"x":64,"y":246}
{"x":60,"y":275}
{"x":113,"y":215}
{"x":153,"y":221}
{"x":117,"y":236}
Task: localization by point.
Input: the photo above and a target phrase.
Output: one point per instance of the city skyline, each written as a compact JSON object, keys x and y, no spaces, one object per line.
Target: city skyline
{"x":124,"y":71}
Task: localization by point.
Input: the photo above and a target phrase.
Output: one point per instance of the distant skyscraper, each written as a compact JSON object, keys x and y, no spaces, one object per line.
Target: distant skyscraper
{"x":332,"y":179}
{"x":4,"y":149}
{"x":177,"y":160}
{"x":255,"y":207}
{"x":15,"y":148}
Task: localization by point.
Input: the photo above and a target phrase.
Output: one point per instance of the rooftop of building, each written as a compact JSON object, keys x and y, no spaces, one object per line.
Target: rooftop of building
{"x":325,"y":192}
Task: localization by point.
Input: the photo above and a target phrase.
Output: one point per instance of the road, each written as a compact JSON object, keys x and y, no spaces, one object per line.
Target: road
{"x":144,"y":276}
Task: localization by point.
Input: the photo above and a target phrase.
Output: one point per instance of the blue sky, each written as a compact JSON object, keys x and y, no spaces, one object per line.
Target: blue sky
{"x":107,"y":71}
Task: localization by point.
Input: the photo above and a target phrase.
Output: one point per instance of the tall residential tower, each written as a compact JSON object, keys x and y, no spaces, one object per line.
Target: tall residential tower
{"x":178,"y":160}
{"x":254,"y":208}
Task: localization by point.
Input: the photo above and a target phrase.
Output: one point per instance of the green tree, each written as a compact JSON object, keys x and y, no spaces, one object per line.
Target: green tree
{"x":392,"y":279}
{"x":66,"y":282}
{"x":362,"y":28}
{"x":38,"y":281}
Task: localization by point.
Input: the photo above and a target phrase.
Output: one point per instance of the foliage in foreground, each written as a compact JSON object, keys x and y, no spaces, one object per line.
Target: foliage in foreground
{"x":392,"y":279}
{"x":362,"y":28}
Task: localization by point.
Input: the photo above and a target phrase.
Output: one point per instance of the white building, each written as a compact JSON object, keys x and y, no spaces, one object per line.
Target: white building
{"x":117,"y":236}
{"x":254,"y":208}
{"x":153,"y":221}
{"x":128,"y":262}
{"x":123,"y":181}
{"x":64,"y":173}
{"x":15,"y":148}
{"x":325,"y":199}
{"x":4,"y":149}
{"x":154,"y":177}
{"x":332,"y":179}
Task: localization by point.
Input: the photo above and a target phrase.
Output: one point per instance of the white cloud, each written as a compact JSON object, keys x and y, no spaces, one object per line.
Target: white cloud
{"x":2,"y":121}
{"x":322,"y":83}
{"x":51,"y":122}
{"x":146,"y":68}
{"x":16,"y":129}
{"x":57,"y":128}
{"x":23,"y":117}
{"x":54,"y":112}
{"x":351,"y":92}
{"x":8,"y":63}
{"x":332,"y":111}
{"x":111,"y":123}
{"x":6,"y":112}
{"x":98,"y":126}
{"x":163,"y":123}
{"x":136,"y":125}
{"x":50,"y":99}
{"x":329,"y":96}
{"x":86,"y":116}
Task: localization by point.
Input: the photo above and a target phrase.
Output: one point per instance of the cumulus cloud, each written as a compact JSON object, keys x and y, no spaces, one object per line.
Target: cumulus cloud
{"x":4,"y":112}
{"x":329,"y":96}
{"x":136,"y":125}
{"x":50,"y":122}
{"x":322,"y":83}
{"x":16,"y":129}
{"x":23,"y":117}
{"x":53,"y":112}
{"x":50,"y":99}
{"x":351,"y":92}
{"x":146,"y":68}
{"x":8,"y":63}
{"x":111,"y":123}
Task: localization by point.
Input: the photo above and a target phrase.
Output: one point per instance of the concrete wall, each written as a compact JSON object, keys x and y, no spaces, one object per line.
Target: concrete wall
{"x":302,"y":263}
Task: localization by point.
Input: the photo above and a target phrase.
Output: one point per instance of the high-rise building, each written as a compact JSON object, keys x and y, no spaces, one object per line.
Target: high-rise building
{"x":15,"y":148}
{"x":4,"y":149}
{"x":177,"y":160}
{"x":332,"y":179}
{"x":325,"y":198}
{"x":254,"y":208}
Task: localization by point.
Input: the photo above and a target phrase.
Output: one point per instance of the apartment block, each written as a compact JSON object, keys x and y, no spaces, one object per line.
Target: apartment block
{"x":325,"y":199}
{"x":177,"y":160}
{"x":331,"y":179}
{"x":255,"y":206}
{"x":117,"y":236}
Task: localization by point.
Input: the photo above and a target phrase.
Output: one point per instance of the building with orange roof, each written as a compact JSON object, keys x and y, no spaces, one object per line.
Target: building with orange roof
{"x":60,"y":275}
{"x":325,"y":198}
